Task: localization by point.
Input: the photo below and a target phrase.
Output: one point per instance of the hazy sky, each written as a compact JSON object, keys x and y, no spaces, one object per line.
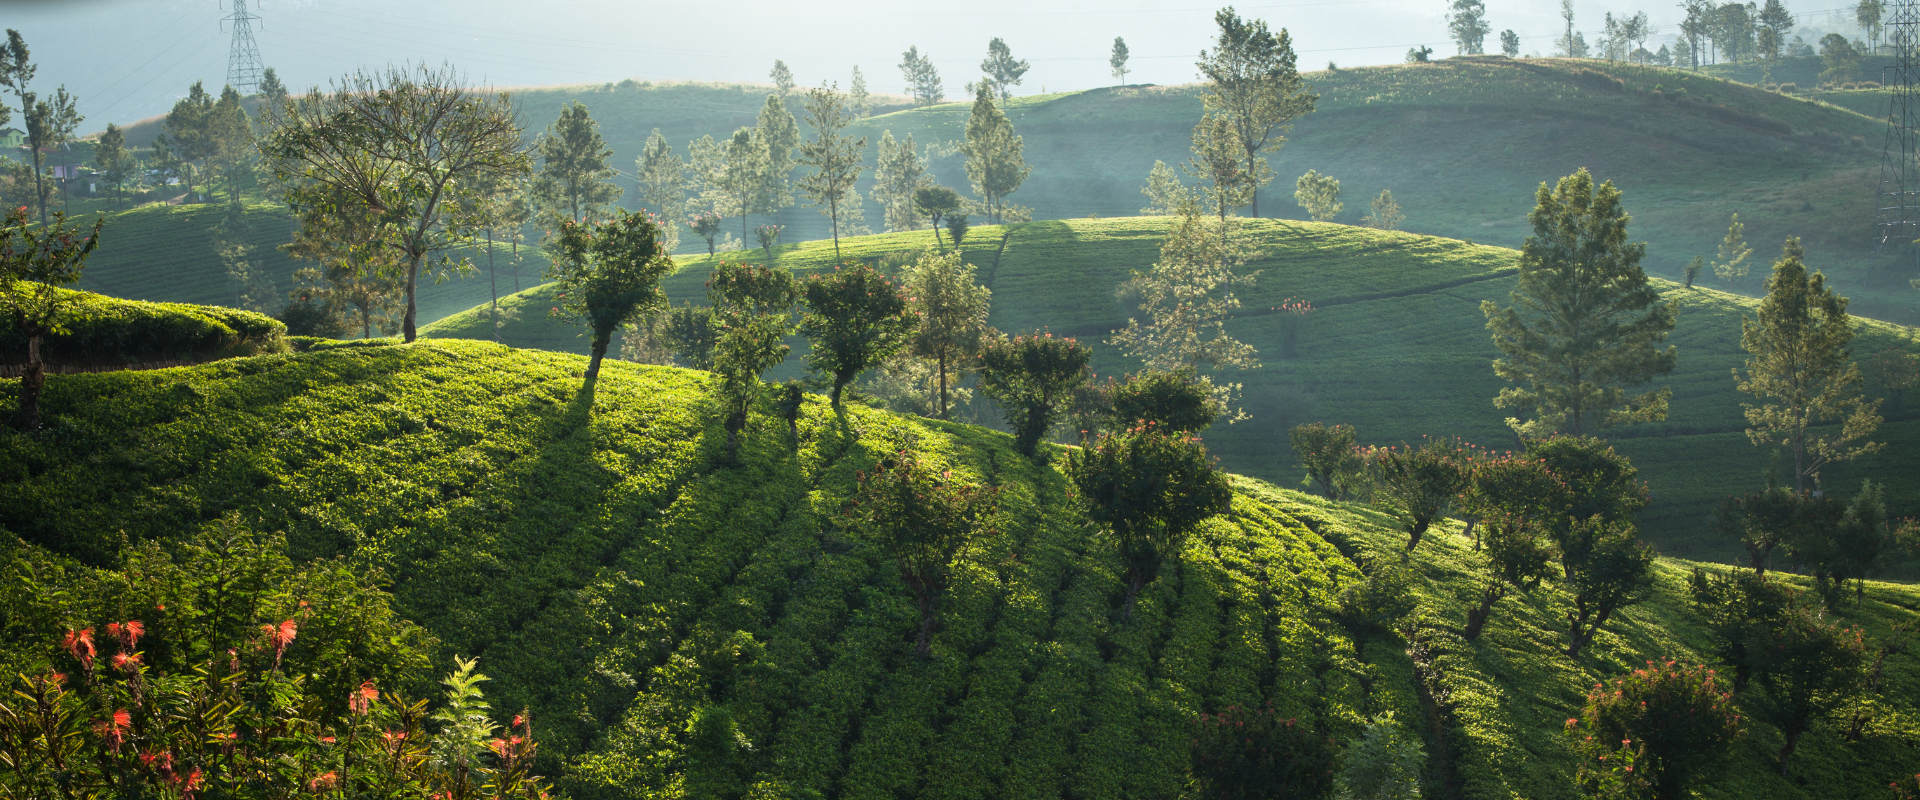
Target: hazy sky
{"x":129,"y":59}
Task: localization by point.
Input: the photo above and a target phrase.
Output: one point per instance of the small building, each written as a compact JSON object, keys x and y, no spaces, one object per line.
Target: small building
{"x":13,"y":138}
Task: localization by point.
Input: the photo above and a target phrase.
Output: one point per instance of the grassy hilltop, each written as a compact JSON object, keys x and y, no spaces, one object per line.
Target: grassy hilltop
{"x":611,"y":575}
{"x":1462,"y":142}
{"x":1396,"y":347}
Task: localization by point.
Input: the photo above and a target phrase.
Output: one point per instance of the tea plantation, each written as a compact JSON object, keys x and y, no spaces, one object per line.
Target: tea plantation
{"x":1396,"y":346}
{"x":614,"y":577}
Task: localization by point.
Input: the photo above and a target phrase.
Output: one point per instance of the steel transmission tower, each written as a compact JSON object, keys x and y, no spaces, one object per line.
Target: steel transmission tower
{"x":243,"y":56}
{"x":1899,"y":201}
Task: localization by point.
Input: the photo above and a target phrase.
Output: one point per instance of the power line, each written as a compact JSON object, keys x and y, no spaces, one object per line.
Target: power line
{"x":243,"y":55}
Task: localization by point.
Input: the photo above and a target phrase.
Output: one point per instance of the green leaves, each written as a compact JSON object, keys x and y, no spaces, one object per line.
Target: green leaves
{"x":1584,"y":323}
{"x":1033,"y":376}
{"x":856,"y":320}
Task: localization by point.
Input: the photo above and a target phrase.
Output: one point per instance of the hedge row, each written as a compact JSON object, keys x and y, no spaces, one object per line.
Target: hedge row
{"x":108,"y":330}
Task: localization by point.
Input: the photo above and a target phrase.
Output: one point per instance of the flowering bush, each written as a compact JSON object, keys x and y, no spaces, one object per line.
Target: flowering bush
{"x":1665,"y":725}
{"x":924,"y":521}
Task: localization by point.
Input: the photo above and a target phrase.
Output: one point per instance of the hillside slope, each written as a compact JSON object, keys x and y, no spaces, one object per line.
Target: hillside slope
{"x":1397,"y":347}
{"x":1462,"y":142}
{"x":613,"y":577}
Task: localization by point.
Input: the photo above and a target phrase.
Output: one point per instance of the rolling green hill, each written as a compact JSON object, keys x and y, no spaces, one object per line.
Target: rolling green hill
{"x":613,"y":577}
{"x":1462,"y":142}
{"x":1396,"y":346}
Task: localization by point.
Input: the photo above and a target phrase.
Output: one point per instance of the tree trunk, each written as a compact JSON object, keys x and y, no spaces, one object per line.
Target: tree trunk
{"x":923,"y":646}
{"x":734,"y":424}
{"x":833,"y":397}
{"x":600,"y":340}
{"x":1477,"y":617}
{"x":30,"y":383}
{"x":1786,"y":750}
{"x":1413,"y":537}
{"x":943,"y":383}
{"x":493,"y":285}
{"x":1136,"y":580}
{"x":833,"y":216}
{"x":413,"y":279}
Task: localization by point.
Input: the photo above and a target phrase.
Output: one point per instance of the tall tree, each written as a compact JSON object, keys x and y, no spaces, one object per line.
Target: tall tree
{"x":898,"y":175}
{"x":663,"y":186}
{"x":188,"y":135}
{"x":356,"y":269}
{"x":753,"y":309}
{"x":273,"y":94}
{"x":1775,"y":24}
{"x":36,"y":264}
{"x":1570,"y":45}
{"x":1584,"y":323}
{"x":1802,"y":368}
{"x":1510,"y":43}
{"x":231,"y":148}
{"x":1868,"y":14}
{"x":996,"y":165}
{"x":608,"y":275}
{"x":952,"y":311}
{"x":1166,"y":196}
{"x":1218,"y":161}
{"x":782,"y":78}
{"x":746,"y":174}
{"x":779,"y":132}
{"x":836,"y":159}
{"x":1117,"y":61}
{"x":1003,"y":71}
{"x":923,"y":80}
{"x":115,"y":162}
{"x":857,"y":94}
{"x":403,"y":143}
{"x":1697,"y":25}
{"x":1252,"y":82}
{"x":574,"y":182}
{"x":1467,"y":24}
{"x":1188,"y":296}
{"x":935,"y":202}
{"x":49,"y":122}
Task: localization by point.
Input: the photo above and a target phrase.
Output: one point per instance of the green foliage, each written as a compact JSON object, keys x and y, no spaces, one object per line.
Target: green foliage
{"x":951,"y":307}
{"x":1150,"y":488}
{"x":1383,"y":213}
{"x":1254,"y":86}
{"x":1575,"y":336}
{"x":856,"y":319}
{"x":1680,"y":720}
{"x":996,"y":162}
{"x":752,"y":308}
{"x":36,"y":264}
{"x":1383,"y":763}
{"x":936,"y":203}
{"x":1319,"y":195}
{"x":1417,"y":485}
{"x":1244,"y":753}
{"x":1032,"y":376}
{"x":607,"y":275}
{"x":1607,"y":569}
{"x":957,"y":227}
{"x":574,"y":182}
{"x":924,"y":521}
{"x":1328,"y":454}
{"x":1384,"y":600}
{"x":1520,"y":500}
{"x":836,"y":159}
{"x":105,"y":330}
{"x":1803,"y":372}
{"x":1180,"y":402}
{"x":1737,"y":606}
{"x":691,"y":335}
{"x":1806,"y":667}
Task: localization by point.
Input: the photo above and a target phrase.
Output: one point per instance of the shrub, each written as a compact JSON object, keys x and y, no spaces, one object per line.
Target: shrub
{"x":1328,"y":455}
{"x":1150,"y":488}
{"x":1383,"y":763}
{"x":1417,"y":485}
{"x":923,"y":521}
{"x":1177,"y":401}
{"x":607,"y":275}
{"x":1033,"y":376}
{"x":1679,"y":720}
{"x":1243,"y":754}
{"x":1381,"y":601}
{"x":1607,"y":569}
{"x":1736,"y":607}
{"x":1808,"y":667}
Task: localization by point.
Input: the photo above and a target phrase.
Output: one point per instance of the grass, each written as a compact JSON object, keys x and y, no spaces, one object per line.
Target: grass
{"x":613,"y":577}
{"x":1396,"y":347}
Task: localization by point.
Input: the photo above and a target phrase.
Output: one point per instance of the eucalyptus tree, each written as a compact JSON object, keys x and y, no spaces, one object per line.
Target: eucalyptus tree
{"x":898,"y":175}
{"x":836,"y":158}
{"x":923,"y":80}
{"x":857,"y":94}
{"x":1003,"y":71}
{"x":1467,"y":24}
{"x":406,"y":144}
{"x":1117,"y":61}
{"x":574,"y":182}
{"x":662,"y":177}
{"x":50,"y":122}
{"x":996,"y":165}
{"x":1254,"y":85}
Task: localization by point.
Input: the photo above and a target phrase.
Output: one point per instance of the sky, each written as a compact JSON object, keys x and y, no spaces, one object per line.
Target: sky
{"x":131,"y":59}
